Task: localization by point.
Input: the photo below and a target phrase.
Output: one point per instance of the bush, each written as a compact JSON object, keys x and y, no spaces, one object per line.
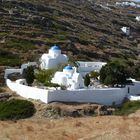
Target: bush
{"x":87,"y":80}
{"x":44,"y":76}
{"x":52,"y":85}
{"x":94,"y":74}
{"x":16,"y":109}
{"x":28,"y":74}
{"x":128,"y":108}
{"x":114,"y":72}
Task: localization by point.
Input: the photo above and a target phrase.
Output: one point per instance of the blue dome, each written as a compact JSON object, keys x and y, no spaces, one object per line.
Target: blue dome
{"x":55,"y":47}
{"x":68,"y":68}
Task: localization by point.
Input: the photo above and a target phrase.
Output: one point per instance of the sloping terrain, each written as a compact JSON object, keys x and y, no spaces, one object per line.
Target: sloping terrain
{"x":90,"y":128}
{"x":84,"y":29}
{"x":41,"y":127}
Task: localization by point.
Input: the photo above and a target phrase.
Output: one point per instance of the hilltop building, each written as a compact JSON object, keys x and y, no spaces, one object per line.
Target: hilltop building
{"x":53,"y":58}
{"x":69,"y":78}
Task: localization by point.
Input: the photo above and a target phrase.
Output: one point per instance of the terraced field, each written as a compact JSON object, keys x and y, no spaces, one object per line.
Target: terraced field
{"x":86,"y":30}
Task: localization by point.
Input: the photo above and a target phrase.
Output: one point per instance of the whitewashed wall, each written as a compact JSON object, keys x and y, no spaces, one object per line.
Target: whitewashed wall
{"x":28,"y":92}
{"x":10,"y":71}
{"x":135,"y":88}
{"x":101,"y":96}
{"x":104,"y":96}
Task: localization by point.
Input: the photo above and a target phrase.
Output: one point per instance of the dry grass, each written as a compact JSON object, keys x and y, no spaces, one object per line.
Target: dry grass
{"x":90,"y":128}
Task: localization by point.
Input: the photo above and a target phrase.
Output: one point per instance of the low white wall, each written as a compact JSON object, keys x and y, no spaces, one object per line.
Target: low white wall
{"x":135,"y":88}
{"x":10,"y":71}
{"x":106,"y":96}
{"x":28,"y":92}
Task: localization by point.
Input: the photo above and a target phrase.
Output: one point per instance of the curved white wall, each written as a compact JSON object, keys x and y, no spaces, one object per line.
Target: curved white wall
{"x":28,"y":92}
{"x":104,"y":96}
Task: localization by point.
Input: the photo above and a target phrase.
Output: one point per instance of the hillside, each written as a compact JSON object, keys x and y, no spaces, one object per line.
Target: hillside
{"x":86,"y":30}
{"x":88,"y":128}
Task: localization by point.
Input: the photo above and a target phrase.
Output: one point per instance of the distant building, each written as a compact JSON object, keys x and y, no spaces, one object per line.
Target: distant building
{"x":138,"y":18}
{"x":69,"y":78}
{"x":53,"y":58}
{"x":128,"y":4}
{"x":126,"y":30}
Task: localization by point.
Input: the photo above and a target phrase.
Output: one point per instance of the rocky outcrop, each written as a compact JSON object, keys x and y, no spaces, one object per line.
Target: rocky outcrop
{"x":4,"y":96}
{"x":60,"y":110}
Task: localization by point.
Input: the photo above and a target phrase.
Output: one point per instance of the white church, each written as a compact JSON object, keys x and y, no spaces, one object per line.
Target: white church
{"x":72,"y":78}
{"x":53,"y":58}
{"x":69,"y":77}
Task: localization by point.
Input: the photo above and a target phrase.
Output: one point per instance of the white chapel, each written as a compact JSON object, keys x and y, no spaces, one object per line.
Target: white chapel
{"x":53,"y":58}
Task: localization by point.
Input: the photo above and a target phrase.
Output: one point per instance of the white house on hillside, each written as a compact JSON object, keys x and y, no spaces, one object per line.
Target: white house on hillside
{"x":69,"y":78}
{"x":138,"y":18}
{"x":53,"y":58}
{"x":126,"y":30}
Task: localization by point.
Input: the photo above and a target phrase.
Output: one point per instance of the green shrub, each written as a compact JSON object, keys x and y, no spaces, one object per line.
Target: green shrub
{"x":44,"y":76}
{"x":16,"y":109}
{"x":28,"y":74}
{"x":87,"y":80}
{"x":94,"y":74}
{"x":128,"y":108}
{"x":52,"y":85}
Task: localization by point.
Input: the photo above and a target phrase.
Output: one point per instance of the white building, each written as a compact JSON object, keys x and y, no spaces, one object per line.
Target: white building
{"x":128,"y":4}
{"x":138,"y":18}
{"x":69,"y":78}
{"x":53,"y":58}
{"x":126,"y":30}
{"x":87,"y":67}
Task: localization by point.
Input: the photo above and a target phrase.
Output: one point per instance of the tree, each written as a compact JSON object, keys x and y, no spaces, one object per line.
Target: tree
{"x":28,"y":74}
{"x":113,"y":73}
{"x":94,"y":74}
{"x":87,"y":80}
{"x":135,"y":71}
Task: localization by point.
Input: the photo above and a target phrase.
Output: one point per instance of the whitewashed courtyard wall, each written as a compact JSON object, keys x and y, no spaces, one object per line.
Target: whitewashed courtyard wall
{"x":106,"y":96}
{"x":28,"y":92}
{"x":10,"y":71}
{"x":135,"y":88}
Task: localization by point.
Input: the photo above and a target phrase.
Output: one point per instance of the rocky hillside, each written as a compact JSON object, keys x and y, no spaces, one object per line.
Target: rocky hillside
{"x":85,"y":29}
